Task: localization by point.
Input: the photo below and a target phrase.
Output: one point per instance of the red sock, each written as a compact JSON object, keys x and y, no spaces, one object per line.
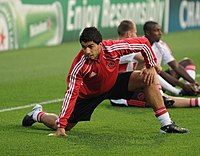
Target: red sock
{"x":160,"y":111}
{"x":163,"y":116}
{"x":135,"y":103}
{"x":194,"y":102}
{"x":39,"y":115}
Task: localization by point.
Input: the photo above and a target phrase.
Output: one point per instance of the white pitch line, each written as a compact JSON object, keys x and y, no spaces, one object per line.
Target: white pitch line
{"x":41,"y":103}
{"x":30,"y":105}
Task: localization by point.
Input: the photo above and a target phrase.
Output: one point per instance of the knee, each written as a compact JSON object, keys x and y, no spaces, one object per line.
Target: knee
{"x":186,"y":61}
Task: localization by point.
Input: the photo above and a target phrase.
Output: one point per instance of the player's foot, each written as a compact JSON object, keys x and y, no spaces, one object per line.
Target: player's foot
{"x":113,"y":103}
{"x":28,"y":119}
{"x":184,"y":93}
{"x":173,"y":128}
{"x":167,"y":101}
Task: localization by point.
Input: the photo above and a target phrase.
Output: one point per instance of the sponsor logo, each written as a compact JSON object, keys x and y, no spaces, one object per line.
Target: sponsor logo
{"x":109,"y":13}
{"x":140,"y":96}
{"x":92,"y":74}
{"x":4,"y":33}
{"x":40,"y":27}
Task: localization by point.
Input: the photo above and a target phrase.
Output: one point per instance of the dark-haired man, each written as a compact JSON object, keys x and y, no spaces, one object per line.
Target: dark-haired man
{"x":93,"y":77}
{"x":184,"y":69}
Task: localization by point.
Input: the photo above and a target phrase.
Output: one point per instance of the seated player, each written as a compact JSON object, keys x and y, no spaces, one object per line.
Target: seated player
{"x":184,"y":69}
{"x":131,"y":62}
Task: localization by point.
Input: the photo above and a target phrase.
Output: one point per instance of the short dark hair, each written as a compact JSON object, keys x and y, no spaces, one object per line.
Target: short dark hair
{"x":148,"y":26}
{"x":124,"y":26}
{"x":90,"y":34}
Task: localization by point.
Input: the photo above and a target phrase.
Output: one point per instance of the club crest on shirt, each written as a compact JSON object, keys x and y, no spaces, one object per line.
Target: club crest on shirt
{"x":110,"y":64}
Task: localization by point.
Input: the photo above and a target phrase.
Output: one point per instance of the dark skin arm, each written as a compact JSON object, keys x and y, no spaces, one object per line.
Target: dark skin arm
{"x":176,"y":82}
{"x":180,"y":70}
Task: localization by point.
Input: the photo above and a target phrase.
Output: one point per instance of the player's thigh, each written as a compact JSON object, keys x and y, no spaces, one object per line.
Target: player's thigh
{"x":84,"y":108}
{"x":135,"y":81}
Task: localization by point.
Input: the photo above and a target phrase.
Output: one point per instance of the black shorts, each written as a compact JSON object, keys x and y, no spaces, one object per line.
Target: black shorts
{"x":84,"y":107}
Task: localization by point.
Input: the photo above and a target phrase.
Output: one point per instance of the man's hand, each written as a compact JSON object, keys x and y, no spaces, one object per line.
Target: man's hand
{"x":190,"y":89}
{"x":196,"y":87}
{"x":148,"y":75}
{"x":158,"y":68}
{"x":60,"y":132}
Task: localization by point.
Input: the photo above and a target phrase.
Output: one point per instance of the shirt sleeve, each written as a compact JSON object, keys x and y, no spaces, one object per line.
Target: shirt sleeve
{"x":148,"y":54}
{"x":74,"y":80}
{"x":132,"y":45}
{"x":167,"y":53}
{"x":128,"y":58}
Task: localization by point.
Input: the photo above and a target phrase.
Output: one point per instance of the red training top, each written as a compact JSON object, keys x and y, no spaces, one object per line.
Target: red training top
{"x":91,"y":77}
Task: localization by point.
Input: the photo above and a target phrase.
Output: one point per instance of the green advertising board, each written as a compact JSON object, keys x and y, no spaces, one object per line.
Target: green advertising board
{"x":107,"y":14}
{"x":28,"y":23}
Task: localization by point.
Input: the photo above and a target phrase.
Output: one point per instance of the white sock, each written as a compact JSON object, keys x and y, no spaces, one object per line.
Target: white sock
{"x":168,"y":86}
{"x":163,"y":116}
{"x":195,"y":102}
{"x":35,"y":115}
{"x":164,"y":119}
{"x":191,"y":70}
{"x":120,"y":101}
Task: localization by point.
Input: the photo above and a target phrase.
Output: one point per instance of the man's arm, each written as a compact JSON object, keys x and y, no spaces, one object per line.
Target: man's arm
{"x":180,"y":70}
{"x":176,"y":82}
{"x":74,"y":80}
{"x":134,"y":45}
{"x":171,"y":79}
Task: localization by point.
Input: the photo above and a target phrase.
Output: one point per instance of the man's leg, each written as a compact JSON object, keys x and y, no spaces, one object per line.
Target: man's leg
{"x":38,"y":115}
{"x":189,"y":66}
{"x":48,"y":119}
{"x":154,"y":97}
{"x":185,"y":102}
{"x":137,"y":99}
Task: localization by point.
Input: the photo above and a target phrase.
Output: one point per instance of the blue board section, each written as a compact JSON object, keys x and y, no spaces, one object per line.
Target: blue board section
{"x":184,"y":15}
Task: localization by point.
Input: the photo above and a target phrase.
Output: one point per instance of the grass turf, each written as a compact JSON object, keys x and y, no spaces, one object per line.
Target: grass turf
{"x":38,"y":74}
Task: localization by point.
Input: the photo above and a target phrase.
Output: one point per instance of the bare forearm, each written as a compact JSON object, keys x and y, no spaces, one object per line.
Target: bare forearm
{"x":173,"y":81}
{"x":182,"y":72}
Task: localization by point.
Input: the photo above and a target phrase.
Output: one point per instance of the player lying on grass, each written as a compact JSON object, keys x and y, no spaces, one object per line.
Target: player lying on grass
{"x":94,"y":77}
{"x":131,"y":62}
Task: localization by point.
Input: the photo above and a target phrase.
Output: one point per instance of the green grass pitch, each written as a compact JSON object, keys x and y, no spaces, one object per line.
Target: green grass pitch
{"x":38,"y":74}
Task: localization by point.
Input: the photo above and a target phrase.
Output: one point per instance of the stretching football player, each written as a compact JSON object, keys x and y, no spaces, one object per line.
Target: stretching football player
{"x":94,"y":76}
